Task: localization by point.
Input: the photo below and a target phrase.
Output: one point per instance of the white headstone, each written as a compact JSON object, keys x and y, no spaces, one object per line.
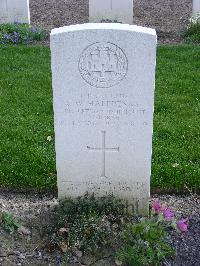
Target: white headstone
{"x":14,"y":11}
{"x":103,"y":83}
{"x":119,"y":10}
{"x":196,"y":7}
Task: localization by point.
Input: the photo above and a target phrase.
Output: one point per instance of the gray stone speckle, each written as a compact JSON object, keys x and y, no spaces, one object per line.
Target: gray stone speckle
{"x":168,"y":17}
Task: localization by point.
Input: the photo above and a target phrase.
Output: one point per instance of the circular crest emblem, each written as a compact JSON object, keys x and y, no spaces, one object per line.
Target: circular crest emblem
{"x":103,"y":65}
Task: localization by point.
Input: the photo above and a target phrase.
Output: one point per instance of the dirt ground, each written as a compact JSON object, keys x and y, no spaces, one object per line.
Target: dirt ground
{"x":168,"y":17}
{"x":32,"y":212}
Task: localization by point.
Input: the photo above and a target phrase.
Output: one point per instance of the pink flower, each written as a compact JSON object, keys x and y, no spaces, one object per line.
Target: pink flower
{"x":157,"y":207}
{"x":182,"y":225}
{"x":168,"y":214}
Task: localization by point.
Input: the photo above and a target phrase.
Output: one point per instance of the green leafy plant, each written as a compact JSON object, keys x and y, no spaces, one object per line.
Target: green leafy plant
{"x":192,"y":33}
{"x":106,"y":20}
{"x":87,"y":223}
{"x":19,"y":33}
{"x":9,"y":223}
{"x":145,"y":243}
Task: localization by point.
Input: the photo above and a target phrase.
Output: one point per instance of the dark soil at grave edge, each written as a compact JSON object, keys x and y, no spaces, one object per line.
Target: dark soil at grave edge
{"x":168,"y":17}
{"x":32,"y":211}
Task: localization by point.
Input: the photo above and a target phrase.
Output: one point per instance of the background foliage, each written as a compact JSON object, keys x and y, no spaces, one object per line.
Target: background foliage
{"x":19,"y":33}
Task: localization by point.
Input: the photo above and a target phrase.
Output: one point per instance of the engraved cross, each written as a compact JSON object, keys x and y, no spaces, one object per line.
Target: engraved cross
{"x":103,"y":149}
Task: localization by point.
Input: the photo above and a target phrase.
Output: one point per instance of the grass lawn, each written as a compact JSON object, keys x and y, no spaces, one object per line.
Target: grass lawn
{"x":27,"y":158}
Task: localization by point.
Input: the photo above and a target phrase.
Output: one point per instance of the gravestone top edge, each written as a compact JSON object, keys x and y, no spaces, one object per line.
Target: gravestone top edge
{"x":103,"y":26}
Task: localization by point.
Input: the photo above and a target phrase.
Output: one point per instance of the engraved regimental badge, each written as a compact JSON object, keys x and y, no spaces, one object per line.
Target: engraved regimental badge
{"x":103,"y":65}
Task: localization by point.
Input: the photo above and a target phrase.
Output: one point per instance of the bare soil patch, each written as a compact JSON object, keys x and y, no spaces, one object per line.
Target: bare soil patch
{"x":32,"y":211}
{"x":168,"y":17}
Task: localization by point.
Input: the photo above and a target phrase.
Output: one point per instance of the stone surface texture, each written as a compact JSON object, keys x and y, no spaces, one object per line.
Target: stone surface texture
{"x":119,"y":10}
{"x":103,"y":105}
{"x":14,"y":11}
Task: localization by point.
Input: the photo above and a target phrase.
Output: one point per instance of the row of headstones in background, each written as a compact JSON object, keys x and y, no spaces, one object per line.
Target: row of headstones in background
{"x":120,"y":10}
{"x":99,"y":10}
{"x":113,"y":10}
{"x":14,"y":11}
{"x":196,"y":7}
{"x":103,"y":82}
